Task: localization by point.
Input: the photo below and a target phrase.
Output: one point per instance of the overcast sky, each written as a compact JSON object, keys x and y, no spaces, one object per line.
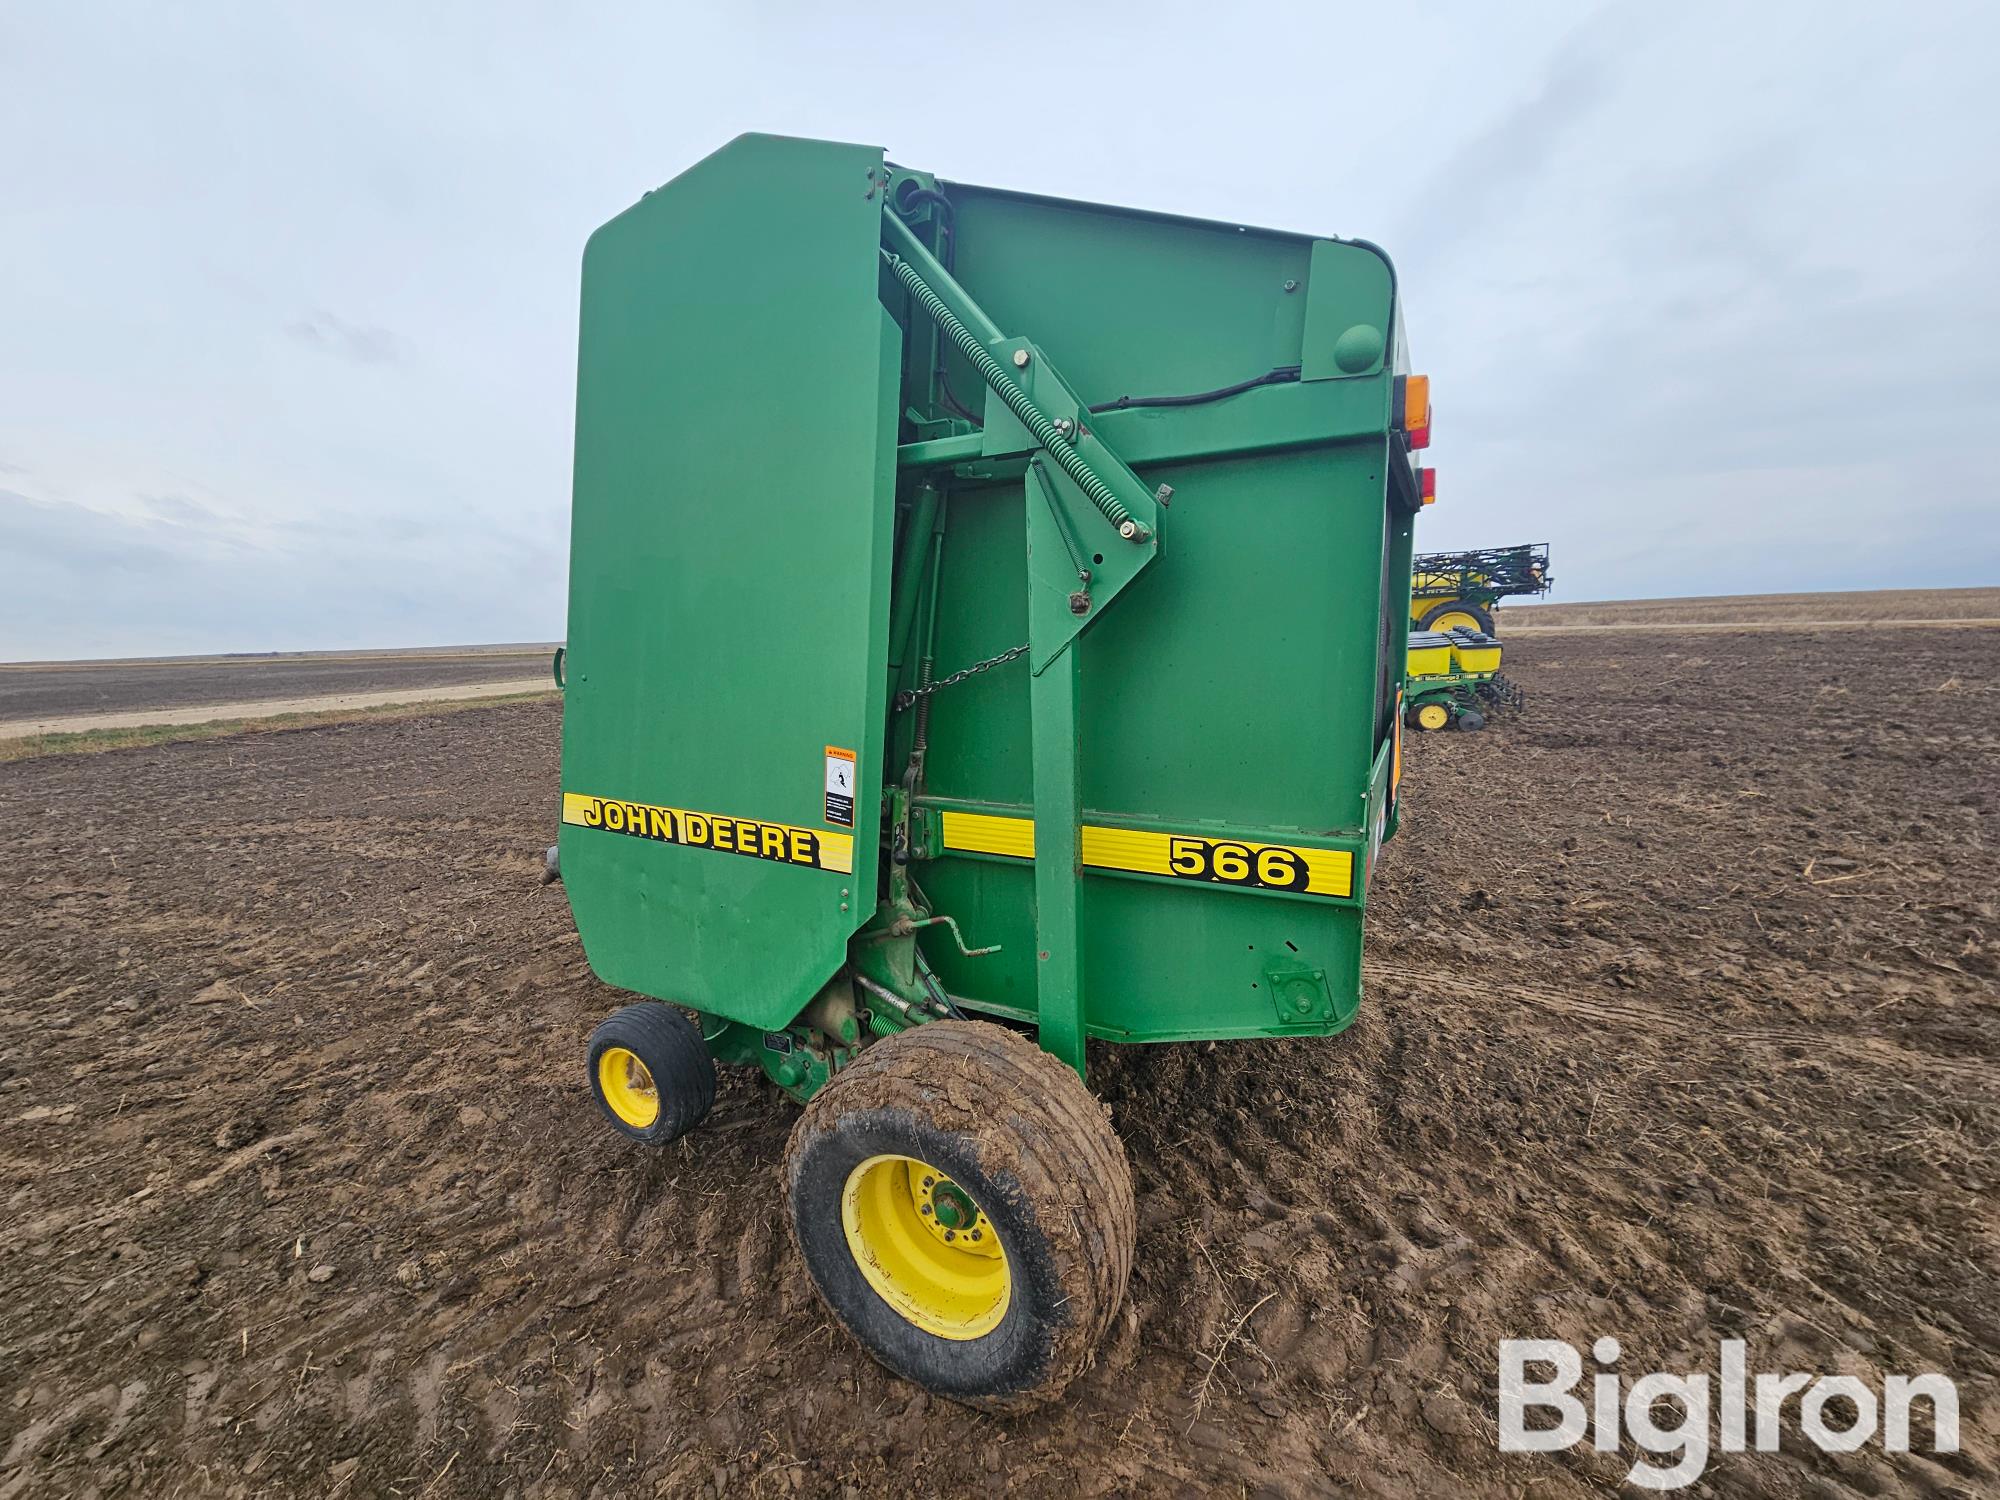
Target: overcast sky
{"x":288,"y":293}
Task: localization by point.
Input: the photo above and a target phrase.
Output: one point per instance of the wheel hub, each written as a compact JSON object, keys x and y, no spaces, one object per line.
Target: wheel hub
{"x":950,"y":1277}
{"x":948,"y":1210}
{"x":628,"y":1087}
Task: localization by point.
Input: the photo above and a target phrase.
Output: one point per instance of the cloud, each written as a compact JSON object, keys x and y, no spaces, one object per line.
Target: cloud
{"x":1702,"y":307}
{"x":177,"y":576}
{"x":363,"y":344}
{"x":1481,"y":182}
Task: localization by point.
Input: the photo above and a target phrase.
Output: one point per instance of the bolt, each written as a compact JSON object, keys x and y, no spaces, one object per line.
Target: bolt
{"x":1129,"y":530}
{"x":1020,"y":359}
{"x":926,"y":1208}
{"x":1290,"y":285}
{"x":949,"y":1236}
{"x":1063,"y":425}
{"x":930,"y":1181}
{"x":1164,"y":494}
{"x":976,"y":1234}
{"x":1079,"y":603}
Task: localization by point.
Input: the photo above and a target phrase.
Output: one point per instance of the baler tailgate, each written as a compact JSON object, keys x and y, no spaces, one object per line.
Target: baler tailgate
{"x":734,"y":502}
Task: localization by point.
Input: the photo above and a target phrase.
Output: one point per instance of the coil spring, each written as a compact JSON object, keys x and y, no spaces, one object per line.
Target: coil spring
{"x":993,"y":374}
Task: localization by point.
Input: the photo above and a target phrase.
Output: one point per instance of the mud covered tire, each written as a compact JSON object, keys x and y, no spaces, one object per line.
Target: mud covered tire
{"x":673,"y":1070}
{"x":1020,"y":1134}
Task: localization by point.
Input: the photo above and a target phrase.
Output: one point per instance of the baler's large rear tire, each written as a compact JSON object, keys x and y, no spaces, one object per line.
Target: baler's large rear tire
{"x":651,"y":1073}
{"x":966,"y":1210}
{"x":1457,"y":612}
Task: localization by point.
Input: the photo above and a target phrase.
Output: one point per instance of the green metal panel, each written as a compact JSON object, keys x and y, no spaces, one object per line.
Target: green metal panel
{"x":1234,"y":687}
{"x":729,"y":574}
{"x":1340,"y":340}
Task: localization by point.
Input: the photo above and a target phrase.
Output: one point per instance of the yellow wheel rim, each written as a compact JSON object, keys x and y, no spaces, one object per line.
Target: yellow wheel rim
{"x":629,"y":1090}
{"x":1433,"y":716}
{"x":925,"y":1247}
{"x":1454,"y":619}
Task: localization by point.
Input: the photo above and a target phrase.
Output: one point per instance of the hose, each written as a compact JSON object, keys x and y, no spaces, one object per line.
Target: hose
{"x":1283,"y":375}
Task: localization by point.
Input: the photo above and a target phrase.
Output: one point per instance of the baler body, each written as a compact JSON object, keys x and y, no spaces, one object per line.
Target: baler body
{"x":800,"y":503}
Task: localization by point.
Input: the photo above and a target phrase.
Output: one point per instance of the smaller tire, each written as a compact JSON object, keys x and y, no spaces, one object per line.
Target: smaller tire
{"x":1429,"y":716}
{"x":651,"y":1073}
{"x":1457,"y":612}
{"x":1469,"y":719}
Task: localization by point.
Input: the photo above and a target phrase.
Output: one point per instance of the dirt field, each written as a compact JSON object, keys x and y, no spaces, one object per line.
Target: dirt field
{"x":1682,"y":1025}
{"x":1876,"y":607}
{"x":44,"y":690}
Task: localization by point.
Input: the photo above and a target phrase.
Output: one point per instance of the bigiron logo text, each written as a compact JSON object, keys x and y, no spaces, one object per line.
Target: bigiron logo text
{"x":1748,"y":1411}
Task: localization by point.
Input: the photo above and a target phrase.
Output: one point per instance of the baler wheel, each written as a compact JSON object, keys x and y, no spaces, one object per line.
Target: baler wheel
{"x":651,"y":1073}
{"x":966,"y":1211}
{"x":1455,"y":612}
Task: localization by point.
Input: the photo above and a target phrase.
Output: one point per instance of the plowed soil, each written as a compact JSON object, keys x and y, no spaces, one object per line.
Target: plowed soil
{"x":1872,"y":607}
{"x":1682,"y":1024}
{"x":47,"y":690}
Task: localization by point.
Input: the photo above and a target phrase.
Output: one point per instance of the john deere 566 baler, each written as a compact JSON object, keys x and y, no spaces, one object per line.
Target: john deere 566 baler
{"x":987,"y":623}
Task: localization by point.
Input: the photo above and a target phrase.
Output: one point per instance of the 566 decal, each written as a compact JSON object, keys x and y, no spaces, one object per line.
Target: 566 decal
{"x":1270,"y":866}
{"x":1234,"y":863}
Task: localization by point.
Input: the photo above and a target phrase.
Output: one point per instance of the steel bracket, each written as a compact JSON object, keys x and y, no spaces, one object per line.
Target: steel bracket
{"x":1299,"y":991}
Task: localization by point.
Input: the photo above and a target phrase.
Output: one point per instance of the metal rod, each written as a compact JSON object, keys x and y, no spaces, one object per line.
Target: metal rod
{"x":933,"y":273}
{"x":910,"y":572}
{"x":1032,"y":417}
{"x":1062,"y":521}
{"x":925,"y":662}
{"x":941,"y":920}
{"x":909,"y":1010}
{"x":938,"y":453}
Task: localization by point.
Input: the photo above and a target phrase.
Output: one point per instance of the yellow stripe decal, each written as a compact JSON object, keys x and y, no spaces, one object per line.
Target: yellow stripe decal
{"x":1237,"y":862}
{"x":984,"y":835}
{"x":812,"y":847}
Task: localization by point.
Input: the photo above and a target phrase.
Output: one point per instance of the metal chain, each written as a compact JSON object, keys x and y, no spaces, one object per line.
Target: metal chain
{"x":909,"y":697}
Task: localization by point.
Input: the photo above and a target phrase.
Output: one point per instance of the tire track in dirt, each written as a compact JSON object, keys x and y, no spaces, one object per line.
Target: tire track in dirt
{"x":1977,"y":1074}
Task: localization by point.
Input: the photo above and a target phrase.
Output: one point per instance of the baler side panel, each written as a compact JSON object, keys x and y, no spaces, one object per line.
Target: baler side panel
{"x":733,"y":509}
{"x":1234,"y":685}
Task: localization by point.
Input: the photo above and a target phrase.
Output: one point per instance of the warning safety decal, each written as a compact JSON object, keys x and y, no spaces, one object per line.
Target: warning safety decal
{"x":840,"y":786}
{"x":1232,"y":862}
{"x":780,"y":842}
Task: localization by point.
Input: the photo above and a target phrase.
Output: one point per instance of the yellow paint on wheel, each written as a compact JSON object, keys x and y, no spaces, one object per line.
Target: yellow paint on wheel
{"x":1433,"y":716}
{"x":925,"y":1246}
{"x":1455,"y":619}
{"x":629,"y":1090}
